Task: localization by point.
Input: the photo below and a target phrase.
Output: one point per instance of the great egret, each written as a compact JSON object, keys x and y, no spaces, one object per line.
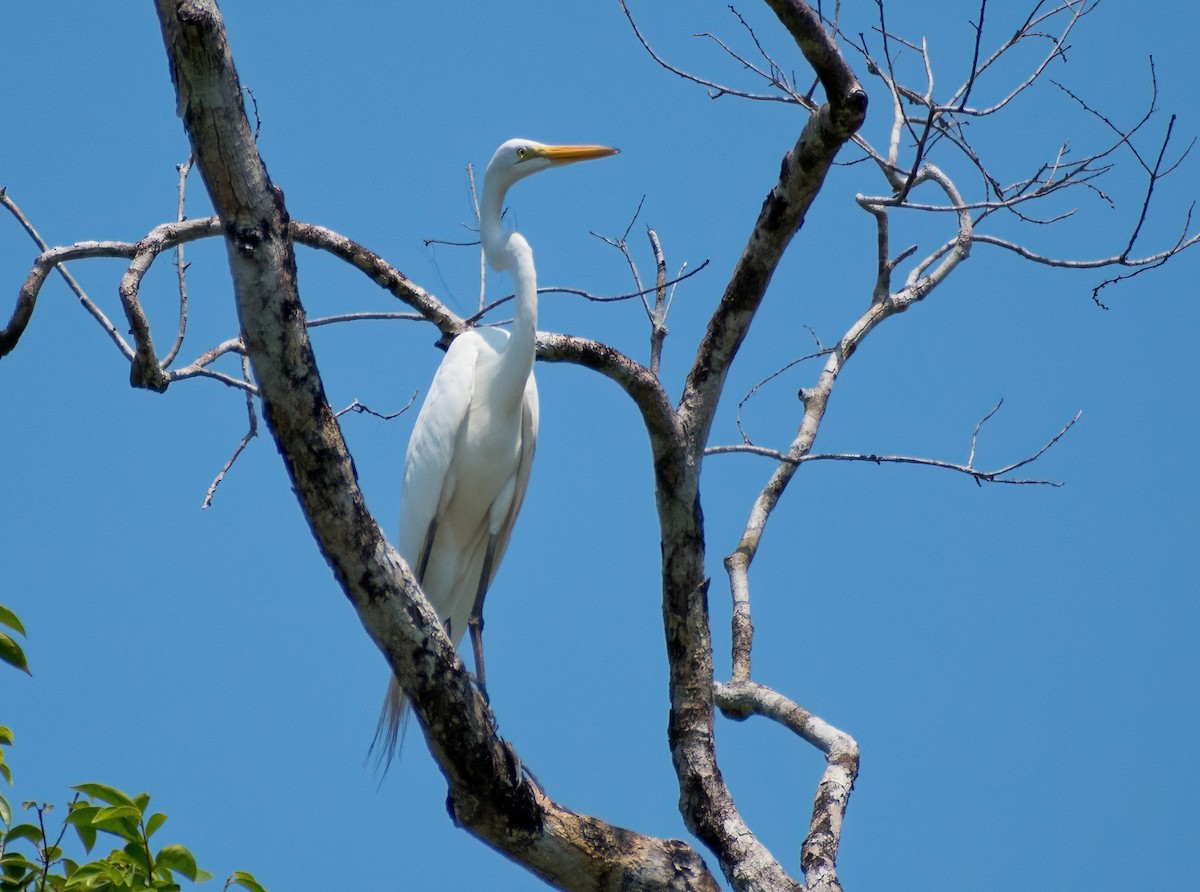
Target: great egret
{"x":471,"y":448}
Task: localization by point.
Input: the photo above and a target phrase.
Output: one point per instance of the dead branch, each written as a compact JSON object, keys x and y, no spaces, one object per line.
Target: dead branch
{"x":739,"y":700}
{"x":587,"y":295}
{"x":662,"y":304}
{"x":250,"y":435}
{"x":362,"y":409}
{"x":488,"y":792}
{"x":380,"y":272}
{"x":705,"y":801}
{"x":716,"y":90}
{"x":180,"y":268}
{"x":199,"y":367}
{"x":28,"y":299}
{"x":656,"y":314}
{"x":622,"y":244}
{"x":980,"y":476}
{"x":821,"y":351}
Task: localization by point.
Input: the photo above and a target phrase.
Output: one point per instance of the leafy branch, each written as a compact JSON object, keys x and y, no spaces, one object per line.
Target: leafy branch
{"x":33,"y":858}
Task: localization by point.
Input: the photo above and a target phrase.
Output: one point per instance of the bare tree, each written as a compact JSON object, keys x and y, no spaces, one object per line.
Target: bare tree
{"x":492,"y":793}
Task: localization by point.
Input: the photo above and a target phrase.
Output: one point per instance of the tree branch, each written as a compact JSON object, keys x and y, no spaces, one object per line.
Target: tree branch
{"x":27,"y":299}
{"x":380,"y":272}
{"x":979,"y":475}
{"x":715,"y":90}
{"x":801,"y":176}
{"x":489,"y":793}
{"x":251,"y":433}
{"x":818,"y":856}
{"x":705,"y":801}
{"x":640,"y":383}
{"x":180,"y":269}
{"x":141,"y":255}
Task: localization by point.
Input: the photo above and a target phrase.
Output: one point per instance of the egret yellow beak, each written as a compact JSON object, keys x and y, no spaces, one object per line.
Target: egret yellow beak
{"x":571,"y":154}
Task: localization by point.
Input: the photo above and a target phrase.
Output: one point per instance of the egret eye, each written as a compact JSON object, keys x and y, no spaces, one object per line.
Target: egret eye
{"x":521,"y":153}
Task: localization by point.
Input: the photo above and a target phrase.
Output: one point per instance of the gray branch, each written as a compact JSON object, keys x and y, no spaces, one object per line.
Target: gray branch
{"x":489,"y":793}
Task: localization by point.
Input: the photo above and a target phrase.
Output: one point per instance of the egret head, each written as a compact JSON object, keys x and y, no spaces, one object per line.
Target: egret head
{"x":518,"y":158}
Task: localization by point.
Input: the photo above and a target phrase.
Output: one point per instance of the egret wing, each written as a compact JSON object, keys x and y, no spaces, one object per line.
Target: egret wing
{"x":529,"y":429}
{"x":427,"y":464}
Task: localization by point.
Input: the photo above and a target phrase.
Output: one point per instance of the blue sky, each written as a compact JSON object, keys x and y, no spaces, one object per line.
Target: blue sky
{"x":1018,"y":664}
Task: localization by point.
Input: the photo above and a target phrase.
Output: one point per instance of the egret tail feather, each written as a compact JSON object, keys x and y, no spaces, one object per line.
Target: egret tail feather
{"x":389,"y":733}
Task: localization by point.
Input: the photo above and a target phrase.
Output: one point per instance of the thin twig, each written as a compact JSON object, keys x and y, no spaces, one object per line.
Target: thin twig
{"x":821,"y":351}
{"x":250,"y":435}
{"x":180,"y":268}
{"x":361,"y":409}
{"x":363,"y":317}
{"x":586,"y":295}
{"x":74,"y":285}
{"x":482,"y":256}
{"x":622,"y":245}
{"x":975,"y":434}
{"x":716,"y":90}
{"x":979,"y":476}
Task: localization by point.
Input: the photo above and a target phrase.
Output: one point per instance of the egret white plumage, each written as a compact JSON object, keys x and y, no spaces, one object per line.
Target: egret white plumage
{"x":469,"y":456}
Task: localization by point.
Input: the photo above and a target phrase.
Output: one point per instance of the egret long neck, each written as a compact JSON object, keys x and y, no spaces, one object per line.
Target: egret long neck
{"x":517,"y":362}
{"x":508,"y":251}
{"x":490,"y":232}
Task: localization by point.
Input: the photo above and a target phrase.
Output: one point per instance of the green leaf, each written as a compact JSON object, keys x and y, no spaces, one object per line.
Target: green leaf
{"x":81,"y":819}
{"x":5,"y":811}
{"x":139,"y":857}
{"x":104,"y":793}
{"x":141,"y":800}
{"x":245,"y":880}
{"x":178,"y":858}
{"x":11,"y":653}
{"x":4,"y":769}
{"x":24,"y":831}
{"x":96,"y":870}
{"x":81,"y":875}
{"x":116,"y":813}
{"x":82,"y":814}
{"x":6,"y":735}
{"x":87,"y":836}
{"x":119,"y":820}
{"x":156,"y":820}
{"x":14,"y":864}
{"x":55,"y":882}
{"x":8,"y":618}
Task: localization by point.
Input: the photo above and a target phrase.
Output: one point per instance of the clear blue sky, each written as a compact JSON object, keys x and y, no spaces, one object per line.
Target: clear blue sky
{"x":1018,"y":664}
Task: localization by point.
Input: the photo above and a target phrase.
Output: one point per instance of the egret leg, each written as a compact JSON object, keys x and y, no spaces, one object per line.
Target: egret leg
{"x":475,"y":620}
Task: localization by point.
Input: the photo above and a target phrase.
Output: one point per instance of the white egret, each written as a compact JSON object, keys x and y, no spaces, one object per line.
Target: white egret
{"x":470,"y":452}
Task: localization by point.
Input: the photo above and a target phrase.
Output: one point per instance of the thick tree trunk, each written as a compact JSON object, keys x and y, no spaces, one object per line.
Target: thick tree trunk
{"x":489,"y":793}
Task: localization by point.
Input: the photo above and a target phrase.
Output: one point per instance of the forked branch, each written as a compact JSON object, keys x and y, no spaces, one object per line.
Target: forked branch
{"x":489,"y":794}
{"x":739,"y":700}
